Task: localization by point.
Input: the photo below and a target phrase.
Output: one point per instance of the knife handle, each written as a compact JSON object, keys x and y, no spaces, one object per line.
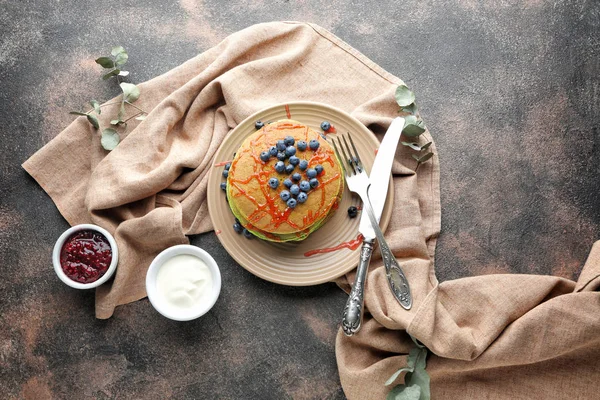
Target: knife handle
{"x":353,"y":312}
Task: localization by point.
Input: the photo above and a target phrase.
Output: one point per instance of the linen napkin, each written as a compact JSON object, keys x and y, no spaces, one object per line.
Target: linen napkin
{"x":150,"y":192}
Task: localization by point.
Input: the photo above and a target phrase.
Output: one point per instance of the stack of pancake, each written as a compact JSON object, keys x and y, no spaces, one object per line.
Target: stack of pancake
{"x":259,"y":207}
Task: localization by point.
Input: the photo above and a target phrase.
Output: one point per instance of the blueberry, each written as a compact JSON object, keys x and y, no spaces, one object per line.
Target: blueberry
{"x":288,"y":183}
{"x":288,"y":140}
{"x":238,"y":227}
{"x":289,"y":169}
{"x":273,"y":151}
{"x":225,"y":173}
{"x":223,"y":185}
{"x":247,"y":233}
{"x":227,"y":166}
{"x":304,"y":186}
{"x":281,"y":156}
{"x":295,"y":189}
{"x":296,"y":177}
{"x":319,"y":169}
{"x":281,"y":145}
{"x":294,"y":160}
{"x":290,"y":151}
{"x":352,"y":211}
{"x":303,"y":165}
{"x":274,"y":183}
{"x":285,"y":195}
{"x":291,"y":203}
{"x":301,"y":197}
{"x":325,"y":125}
{"x":301,"y":145}
{"x":279,"y":166}
{"x":313,"y":144}
{"x":311,"y":173}
{"x":265,"y":155}
{"x":314,"y":182}
{"x":259,"y":124}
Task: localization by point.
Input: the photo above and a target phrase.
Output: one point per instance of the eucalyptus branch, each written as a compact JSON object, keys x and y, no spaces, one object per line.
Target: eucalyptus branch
{"x":414,"y":126}
{"x":416,"y":381}
{"x":114,"y":63}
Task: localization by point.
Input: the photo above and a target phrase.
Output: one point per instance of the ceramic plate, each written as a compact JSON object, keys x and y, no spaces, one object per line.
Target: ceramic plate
{"x":313,"y":260}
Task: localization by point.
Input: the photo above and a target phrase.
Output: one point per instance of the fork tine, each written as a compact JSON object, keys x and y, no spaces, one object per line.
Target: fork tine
{"x":352,"y":158}
{"x":338,"y":156}
{"x":346,"y":158}
{"x":355,"y":152}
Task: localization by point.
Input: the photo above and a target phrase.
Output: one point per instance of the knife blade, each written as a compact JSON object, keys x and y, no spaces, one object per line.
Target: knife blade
{"x":380,"y":178}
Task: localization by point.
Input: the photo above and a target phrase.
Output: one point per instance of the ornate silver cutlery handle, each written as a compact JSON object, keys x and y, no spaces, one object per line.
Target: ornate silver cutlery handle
{"x":353,"y":312}
{"x":396,"y":278}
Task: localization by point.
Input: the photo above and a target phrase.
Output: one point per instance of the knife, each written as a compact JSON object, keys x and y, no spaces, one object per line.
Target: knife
{"x":380,"y":178}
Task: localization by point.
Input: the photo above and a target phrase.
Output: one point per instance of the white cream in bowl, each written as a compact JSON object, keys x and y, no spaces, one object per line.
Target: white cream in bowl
{"x":183,"y":282}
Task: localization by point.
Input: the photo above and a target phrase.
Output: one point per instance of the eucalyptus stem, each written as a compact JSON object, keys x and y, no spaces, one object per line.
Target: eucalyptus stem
{"x":133,"y":116}
{"x":136,"y":107}
{"x":102,"y":105}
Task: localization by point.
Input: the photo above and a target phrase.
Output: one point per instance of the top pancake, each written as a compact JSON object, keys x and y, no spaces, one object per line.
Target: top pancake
{"x":259,"y":207}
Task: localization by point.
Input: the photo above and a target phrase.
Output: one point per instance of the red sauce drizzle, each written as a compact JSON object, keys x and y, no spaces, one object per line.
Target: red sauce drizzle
{"x":221,"y":164}
{"x":376,"y":151}
{"x":351,"y":244}
{"x":330,"y":130}
{"x":287,"y":111}
{"x":272,"y":203}
{"x":218,"y":232}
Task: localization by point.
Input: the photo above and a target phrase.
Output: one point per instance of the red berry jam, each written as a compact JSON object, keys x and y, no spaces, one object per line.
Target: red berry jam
{"x":85,"y":256}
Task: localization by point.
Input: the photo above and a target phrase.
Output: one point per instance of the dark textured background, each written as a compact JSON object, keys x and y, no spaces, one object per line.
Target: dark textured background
{"x":509,"y":90}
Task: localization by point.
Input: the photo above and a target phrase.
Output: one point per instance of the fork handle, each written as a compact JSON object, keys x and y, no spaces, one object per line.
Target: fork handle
{"x":353,"y":312}
{"x":395,"y":276}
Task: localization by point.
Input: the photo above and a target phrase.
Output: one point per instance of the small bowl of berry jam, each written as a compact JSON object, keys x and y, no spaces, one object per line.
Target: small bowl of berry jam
{"x":85,"y":256}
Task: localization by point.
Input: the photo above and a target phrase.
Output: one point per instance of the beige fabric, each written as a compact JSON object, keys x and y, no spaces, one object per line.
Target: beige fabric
{"x":150,"y":192}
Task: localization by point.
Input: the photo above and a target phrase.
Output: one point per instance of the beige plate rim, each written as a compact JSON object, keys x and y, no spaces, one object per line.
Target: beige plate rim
{"x":286,"y":263}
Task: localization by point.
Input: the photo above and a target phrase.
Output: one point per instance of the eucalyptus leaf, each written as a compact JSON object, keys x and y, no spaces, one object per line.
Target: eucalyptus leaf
{"x":105,"y":62}
{"x":416,"y":157}
{"x":397,"y":374}
{"x":419,"y":378}
{"x":412,"y":145}
{"x":414,"y":357}
{"x":110,"y":139}
{"x":116,"y":50}
{"x":96,"y":106}
{"x":123,"y":73}
{"x":396,"y":391}
{"x":425,"y":157}
{"x":412,"y":392}
{"x":77,"y":113}
{"x":404,"y":96}
{"x":115,"y":121}
{"x":412,"y":126}
{"x":411,"y":108}
{"x":121,"y":58}
{"x":423,"y":148}
{"x":141,"y":117}
{"x":130,"y":92}
{"x":114,"y":72}
{"x":402,"y":392}
{"x":93,"y":120}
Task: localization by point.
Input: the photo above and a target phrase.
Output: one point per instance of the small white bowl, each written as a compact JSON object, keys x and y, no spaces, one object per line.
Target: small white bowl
{"x":61,"y":241}
{"x":157,"y":300}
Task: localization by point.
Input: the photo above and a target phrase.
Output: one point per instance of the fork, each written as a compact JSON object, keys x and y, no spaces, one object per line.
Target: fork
{"x":359,"y":183}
